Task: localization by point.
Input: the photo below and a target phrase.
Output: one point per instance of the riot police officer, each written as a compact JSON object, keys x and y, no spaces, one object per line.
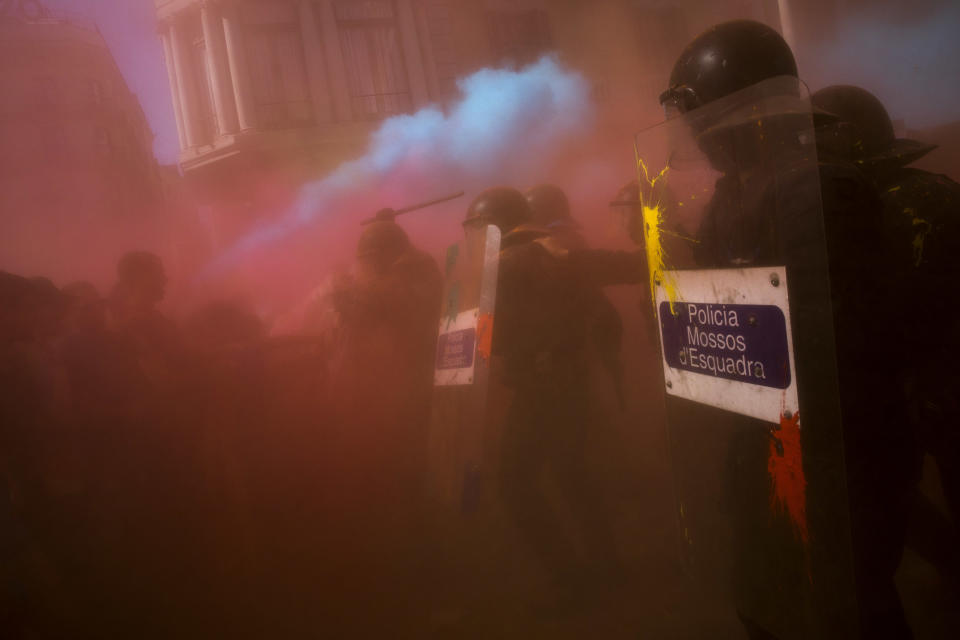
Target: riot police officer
{"x":395,"y":284}
{"x":388,"y":312}
{"x":763,"y":214}
{"x":541,"y":331}
{"x":550,"y":208}
{"x":920,"y":217}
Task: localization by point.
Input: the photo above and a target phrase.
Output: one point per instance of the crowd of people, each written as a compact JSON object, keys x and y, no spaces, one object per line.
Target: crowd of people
{"x":204,"y":478}
{"x":157,"y":473}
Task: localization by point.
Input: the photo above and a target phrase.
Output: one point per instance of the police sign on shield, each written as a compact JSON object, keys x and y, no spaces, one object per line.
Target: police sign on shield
{"x":456,"y":346}
{"x":727,"y":341}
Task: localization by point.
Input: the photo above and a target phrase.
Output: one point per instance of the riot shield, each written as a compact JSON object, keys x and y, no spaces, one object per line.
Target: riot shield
{"x":734,"y":230}
{"x":462,"y":369}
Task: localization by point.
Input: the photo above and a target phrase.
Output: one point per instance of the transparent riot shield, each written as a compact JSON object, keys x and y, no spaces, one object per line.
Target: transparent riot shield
{"x":462,"y":369}
{"x":734,"y":230}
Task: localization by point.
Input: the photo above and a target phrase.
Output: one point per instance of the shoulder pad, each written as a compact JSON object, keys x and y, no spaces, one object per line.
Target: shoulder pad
{"x":523,"y":234}
{"x":553,"y":246}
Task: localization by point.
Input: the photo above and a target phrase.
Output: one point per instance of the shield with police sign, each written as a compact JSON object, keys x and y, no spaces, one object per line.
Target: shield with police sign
{"x":462,"y":369}
{"x":741,"y":283}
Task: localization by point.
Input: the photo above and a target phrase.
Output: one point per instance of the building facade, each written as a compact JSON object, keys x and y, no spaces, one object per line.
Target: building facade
{"x":271,"y":93}
{"x":242,"y":72}
{"x":78,"y":180}
{"x":261,"y":75}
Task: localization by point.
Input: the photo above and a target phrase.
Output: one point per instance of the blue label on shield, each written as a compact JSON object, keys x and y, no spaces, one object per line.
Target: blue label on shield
{"x":455,"y":349}
{"x":742,"y":342}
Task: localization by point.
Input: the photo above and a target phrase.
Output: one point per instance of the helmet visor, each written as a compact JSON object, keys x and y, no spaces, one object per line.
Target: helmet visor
{"x":679,"y":100}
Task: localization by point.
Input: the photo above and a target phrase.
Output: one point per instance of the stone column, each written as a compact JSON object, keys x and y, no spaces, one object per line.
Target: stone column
{"x":316,"y":71}
{"x":237,"y":57}
{"x":174,"y":89}
{"x":786,"y":23}
{"x":411,"y":54}
{"x":335,"y":65}
{"x":220,"y":85}
{"x":186,"y":86}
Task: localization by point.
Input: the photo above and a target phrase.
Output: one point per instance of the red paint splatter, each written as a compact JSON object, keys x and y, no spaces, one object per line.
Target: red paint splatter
{"x":484,"y":335}
{"x":789,"y":485}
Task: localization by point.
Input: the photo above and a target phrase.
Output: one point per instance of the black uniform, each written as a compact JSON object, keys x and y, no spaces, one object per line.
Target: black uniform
{"x":875,"y":431}
{"x":377,"y":443}
{"x":551,"y":209}
{"x":920,"y":237}
{"x":921,"y":215}
{"x":546,"y":313}
{"x":764,"y":213}
{"x":543,"y":330}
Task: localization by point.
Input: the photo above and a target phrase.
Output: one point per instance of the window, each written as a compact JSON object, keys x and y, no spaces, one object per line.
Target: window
{"x":373,"y":56}
{"x":518,"y":37}
{"x":440,"y":30}
{"x":196,"y":60}
{"x":277,"y":64}
{"x":201,"y":74}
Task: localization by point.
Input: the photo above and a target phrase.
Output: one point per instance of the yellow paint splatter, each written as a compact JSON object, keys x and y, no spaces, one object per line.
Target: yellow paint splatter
{"x":922,"y":229}
{"x":652,"y":209}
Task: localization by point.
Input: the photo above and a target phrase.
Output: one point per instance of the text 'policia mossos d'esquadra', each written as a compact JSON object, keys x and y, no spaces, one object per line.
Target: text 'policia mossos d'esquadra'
{"x":742,"y":342}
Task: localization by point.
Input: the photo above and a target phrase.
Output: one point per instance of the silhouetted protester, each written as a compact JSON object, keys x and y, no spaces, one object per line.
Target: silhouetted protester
{"x":228,"y":341}
{"x":16,"y":546}
{"x":239,"y":429}
{"x":32,"y":409}
{"x":319,"y":322}
{"x":159,"y":457}
{"x":93,"y":452}
{"x":546,"y":299}
{"x":171,"y":396}
{"x":140,"y":288}
{"x":921,"y":225}
{"x":103,"y":372}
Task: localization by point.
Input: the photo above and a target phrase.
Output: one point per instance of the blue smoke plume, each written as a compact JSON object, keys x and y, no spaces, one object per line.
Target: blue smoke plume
{"x":504,"y":123}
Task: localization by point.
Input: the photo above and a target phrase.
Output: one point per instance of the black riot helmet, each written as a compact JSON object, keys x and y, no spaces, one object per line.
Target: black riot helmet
{"x":504,"y":207}
{"x":866,"y":128}
{"x":549,"y":205}
{"x":725,"y":59}
{"x":382,"y":242}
